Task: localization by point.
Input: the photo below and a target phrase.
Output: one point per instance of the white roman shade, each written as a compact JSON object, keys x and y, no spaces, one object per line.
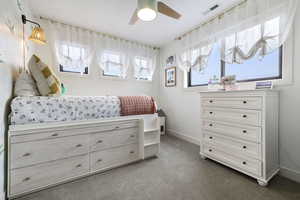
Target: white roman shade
{"x":254,"y":27}
{"x":72,"y":46}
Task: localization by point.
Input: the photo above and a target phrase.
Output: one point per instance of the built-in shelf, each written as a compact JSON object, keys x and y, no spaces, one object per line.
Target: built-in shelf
{"x":150,"y":143}
{"x":151,"y":130}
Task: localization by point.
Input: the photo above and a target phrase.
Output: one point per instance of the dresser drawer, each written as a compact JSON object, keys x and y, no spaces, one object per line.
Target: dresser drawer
{"x":248,"y":117}
{"x":104,"y":140}
{"x":102,"y":160}
{"x":30,"y":153}
{"x":38,"y":176}
{"x":49,"y":134}
{"x":237,"y":147}
{"x":249,"y":133}
{"x":234,"y":102}
{"x":248,"y":165}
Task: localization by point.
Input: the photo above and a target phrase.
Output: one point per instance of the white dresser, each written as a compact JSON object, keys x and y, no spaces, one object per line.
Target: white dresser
{"x":44,"y":155}
{"x":240,"y":130}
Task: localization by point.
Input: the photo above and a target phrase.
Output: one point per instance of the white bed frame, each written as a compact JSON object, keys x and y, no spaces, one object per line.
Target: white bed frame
{"x":47,"y":154}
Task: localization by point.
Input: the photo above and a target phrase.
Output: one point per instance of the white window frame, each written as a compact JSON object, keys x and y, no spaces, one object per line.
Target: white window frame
{"x":73,"y":73}
{"x":107,"y":76}
{"x":148,"y":67}
{"x":287,"y":70}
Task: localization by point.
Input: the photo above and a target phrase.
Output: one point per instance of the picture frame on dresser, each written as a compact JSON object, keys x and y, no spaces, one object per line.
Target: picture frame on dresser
{"x":240,"y":130}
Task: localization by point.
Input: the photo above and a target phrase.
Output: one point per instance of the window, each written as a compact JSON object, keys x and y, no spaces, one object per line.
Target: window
{"x":198,"y":78}
{"x":72,"y":59}
{"x":112,"y":64}
{"x":142,"y":69}
{"x":269,"y":67}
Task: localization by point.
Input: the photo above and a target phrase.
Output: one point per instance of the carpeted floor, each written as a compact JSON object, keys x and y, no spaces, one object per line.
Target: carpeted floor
{"x":178,"y":174}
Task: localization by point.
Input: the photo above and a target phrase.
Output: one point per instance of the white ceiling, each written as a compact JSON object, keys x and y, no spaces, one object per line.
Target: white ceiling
{"x":112,"y":16}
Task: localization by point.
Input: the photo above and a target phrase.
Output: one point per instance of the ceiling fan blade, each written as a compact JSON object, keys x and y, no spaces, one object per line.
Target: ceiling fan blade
{"x":134,"y":17}
{"x":166,"y":10}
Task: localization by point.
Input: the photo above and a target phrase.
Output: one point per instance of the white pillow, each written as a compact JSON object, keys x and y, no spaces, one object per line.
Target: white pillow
{"x":25,"y":85}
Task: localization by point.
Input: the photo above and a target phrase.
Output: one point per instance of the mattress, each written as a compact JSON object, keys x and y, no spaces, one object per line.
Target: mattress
{"x":40,"y":109}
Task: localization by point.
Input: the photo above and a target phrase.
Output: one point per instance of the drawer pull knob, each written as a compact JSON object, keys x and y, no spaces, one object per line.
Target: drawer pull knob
{"x":244,"y":102}
{"x":132,"y":136}
{"x":244,"y":116}
{"x":79,"y":165}
{"x":244,"y":147}
{"x":210,"y":150}
{"x":54,"y":134}
{"x":210,"y":124}
{"x":131,"y":152}
{"x":99,"y":141}
{"x":26,"y":179}
{"x":210,"y":137}
{"x":211,"y":113}
{"x":26,"y":154}
{"x":99,"y":160}
{"x":79,"y":145}
{"x":117,"y":127}
{"x":244,"y":131}
{"x":211,"y":101}
{"x":244,"y":163}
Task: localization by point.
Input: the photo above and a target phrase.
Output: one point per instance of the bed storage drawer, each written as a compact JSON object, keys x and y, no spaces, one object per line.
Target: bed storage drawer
{"x":109,"y":158}
{"x":41,"y":175}
{"x":31,"y":153}
{"x":234,"y":102}
{"x":248,"y":117}
{"x":115,"y":138}
{"x":245,"y":164}
{"x":236,"y":147}
{"x":244,"y":132}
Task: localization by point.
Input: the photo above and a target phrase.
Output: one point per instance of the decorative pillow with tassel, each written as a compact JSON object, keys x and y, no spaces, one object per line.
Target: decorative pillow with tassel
{"x":47,"y":82}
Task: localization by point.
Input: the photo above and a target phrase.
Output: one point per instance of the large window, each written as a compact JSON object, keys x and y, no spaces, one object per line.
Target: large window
{"x":112,"y":64}
{"x":255,"y":69}
{"x":72,"y":59}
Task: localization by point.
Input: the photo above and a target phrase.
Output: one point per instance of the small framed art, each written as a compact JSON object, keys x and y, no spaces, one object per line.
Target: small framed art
{"x":170,"y":77}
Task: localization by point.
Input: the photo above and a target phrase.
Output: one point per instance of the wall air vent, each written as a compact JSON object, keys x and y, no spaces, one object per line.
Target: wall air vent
{"x":211,"y":9}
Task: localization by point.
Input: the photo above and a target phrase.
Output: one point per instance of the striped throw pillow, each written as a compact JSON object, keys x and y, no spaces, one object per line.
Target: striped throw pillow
{"x":47,"y":82}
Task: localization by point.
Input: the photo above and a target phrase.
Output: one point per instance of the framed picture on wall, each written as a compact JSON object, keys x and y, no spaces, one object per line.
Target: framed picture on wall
{"x":171,"y":61}
{"x":170,"y":77}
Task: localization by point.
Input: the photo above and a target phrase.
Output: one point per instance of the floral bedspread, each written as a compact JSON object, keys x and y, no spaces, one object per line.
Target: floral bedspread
{"x":40,"y":109}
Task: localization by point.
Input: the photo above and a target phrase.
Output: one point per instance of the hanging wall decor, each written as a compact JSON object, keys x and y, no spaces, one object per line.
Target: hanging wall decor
{"x":170,"y":77}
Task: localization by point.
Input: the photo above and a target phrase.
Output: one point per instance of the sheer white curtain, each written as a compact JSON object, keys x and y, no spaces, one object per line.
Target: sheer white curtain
{"x":146,"y":65}
{"x":255,"y":27}
{"x":119,"y":51}
{"x":72,"y":46}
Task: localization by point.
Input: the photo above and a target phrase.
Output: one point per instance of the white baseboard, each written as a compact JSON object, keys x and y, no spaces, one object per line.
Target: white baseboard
{"x":285,"y":172}
{"x":2,"y":196}
{"x":183,"y":137}
{"x":290,"y":174}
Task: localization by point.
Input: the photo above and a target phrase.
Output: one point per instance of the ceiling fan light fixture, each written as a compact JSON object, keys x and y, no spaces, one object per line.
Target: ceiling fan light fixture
{"x":147,"y":10}
{"x":146,"y":14}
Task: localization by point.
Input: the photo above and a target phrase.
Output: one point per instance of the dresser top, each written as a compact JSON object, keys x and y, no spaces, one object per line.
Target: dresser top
{"x":243,"y":91}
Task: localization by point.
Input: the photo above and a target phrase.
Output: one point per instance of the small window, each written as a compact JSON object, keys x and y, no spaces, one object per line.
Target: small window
{"x":112,"y":64}
{"x":213,"y":68}
{"x":142,"y":69}
{"x":72,"y":59}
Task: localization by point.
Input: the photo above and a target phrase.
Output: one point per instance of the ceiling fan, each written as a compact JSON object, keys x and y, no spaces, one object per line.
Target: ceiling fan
{"x":147,"y":10}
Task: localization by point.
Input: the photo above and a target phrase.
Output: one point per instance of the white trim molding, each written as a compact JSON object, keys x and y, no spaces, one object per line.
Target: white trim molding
{"x":290,"y":174}
{"x":183,"y":137}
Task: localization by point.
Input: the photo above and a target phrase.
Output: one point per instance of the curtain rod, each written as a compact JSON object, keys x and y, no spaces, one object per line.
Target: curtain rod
{"x":100,"y":33}
{"x":218,"y":16}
